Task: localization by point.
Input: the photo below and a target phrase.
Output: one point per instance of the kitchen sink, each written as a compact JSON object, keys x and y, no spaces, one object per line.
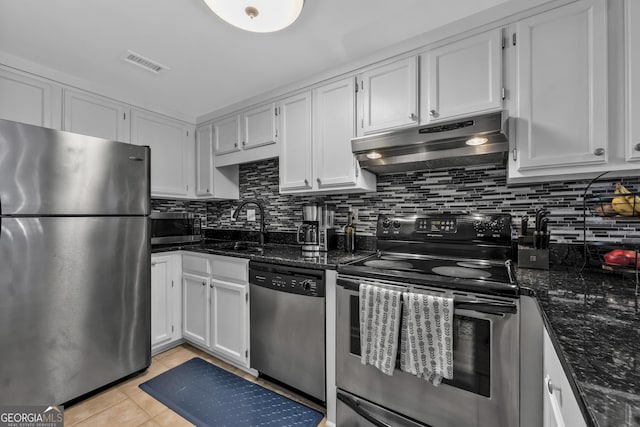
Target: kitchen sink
{"x":241,"y":247}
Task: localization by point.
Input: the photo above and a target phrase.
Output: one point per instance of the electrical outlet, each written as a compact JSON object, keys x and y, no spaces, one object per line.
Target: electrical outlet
{"x":251,"y":214}
{"x":354,"y":212}
{"x":232,"y":211}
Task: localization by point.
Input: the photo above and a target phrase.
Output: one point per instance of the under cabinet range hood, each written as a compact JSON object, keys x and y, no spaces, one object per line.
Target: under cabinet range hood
{"x":476,"y":140}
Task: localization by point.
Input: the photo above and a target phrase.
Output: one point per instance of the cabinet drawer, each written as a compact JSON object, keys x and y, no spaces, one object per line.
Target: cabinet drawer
{"x":195,"y":264}
{"x":229,"y":268}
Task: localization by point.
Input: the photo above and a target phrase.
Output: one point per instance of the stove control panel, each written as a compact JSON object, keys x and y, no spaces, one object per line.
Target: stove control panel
{"x":494,"y":228}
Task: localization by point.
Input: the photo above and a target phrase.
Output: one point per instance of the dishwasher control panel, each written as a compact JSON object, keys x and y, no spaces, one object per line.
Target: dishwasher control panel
{"x":295,"y":280}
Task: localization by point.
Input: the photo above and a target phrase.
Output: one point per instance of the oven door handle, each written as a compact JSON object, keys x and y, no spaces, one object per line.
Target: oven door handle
{"x":355,"y":405}
{"x":488,"y":307}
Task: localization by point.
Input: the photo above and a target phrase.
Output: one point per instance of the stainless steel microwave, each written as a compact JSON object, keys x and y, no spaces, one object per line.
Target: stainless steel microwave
{"x":175,"y":227}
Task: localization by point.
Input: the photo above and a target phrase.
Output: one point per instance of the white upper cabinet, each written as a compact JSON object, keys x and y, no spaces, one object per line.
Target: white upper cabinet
{"x":259,"y":126}
{"x":96,"y":116}
{"x":462,"y":78}
{"x":168,"y":140}
{"x":316,"y":154}
{"x":251,"y":128}
{"x":213,"y":182}
{"x":335,"y":167}
{"x":334,"y":119}
{"x":29,"y":100}
{"x":204,"y":166}
{"x":632,"y":72}
{"x":561,"y":104}
{"x":388,"y":96}
{"x":296,"y":153}
{"x":227,"y":134}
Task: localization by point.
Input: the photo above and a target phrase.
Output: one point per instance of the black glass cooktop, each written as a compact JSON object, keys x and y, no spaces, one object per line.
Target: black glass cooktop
{"x":392,"y":264}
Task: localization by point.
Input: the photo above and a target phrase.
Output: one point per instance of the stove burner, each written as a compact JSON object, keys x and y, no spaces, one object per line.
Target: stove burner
{"x":394,"y":265}
{"x":461,"y":272}
{"x":471,"y":264}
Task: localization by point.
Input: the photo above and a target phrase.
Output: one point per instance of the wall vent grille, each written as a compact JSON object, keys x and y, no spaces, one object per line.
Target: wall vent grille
{"x":143,"y":62}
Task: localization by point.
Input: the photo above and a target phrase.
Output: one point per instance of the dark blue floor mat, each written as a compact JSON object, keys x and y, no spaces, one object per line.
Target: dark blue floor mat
{"x":207,"y":395}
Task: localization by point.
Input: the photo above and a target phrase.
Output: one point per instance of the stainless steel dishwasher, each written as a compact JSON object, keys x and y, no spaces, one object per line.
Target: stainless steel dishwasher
{"x":288,"y":325}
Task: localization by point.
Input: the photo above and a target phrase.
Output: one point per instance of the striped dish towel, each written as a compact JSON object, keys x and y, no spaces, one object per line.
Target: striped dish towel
{"x":426,"y":342}
{"x":379,"y":325}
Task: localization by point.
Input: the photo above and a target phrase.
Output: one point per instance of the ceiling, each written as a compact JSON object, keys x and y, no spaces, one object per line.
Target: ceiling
{"x":212,"y":64}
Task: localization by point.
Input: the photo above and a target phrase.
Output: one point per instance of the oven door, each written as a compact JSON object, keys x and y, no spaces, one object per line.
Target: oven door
{"x":485,"y":385}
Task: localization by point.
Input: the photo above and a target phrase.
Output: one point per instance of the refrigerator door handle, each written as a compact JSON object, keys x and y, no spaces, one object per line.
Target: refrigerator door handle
{"x":136,"y":158}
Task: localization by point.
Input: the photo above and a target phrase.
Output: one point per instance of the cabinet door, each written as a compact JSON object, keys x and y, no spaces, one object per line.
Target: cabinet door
{"x":229,"y":320}
{"x":195,"y":308}
{"x":560,"y":407}
{"x":462,"y":78}
{"x":204,"y":140}
{"x":334,"y":126}
{"x":295,"y":142}
{"x":259,"y":126}
{"x":389,"y":96}
{"x":28,"y":100}
{"x":632,"y":51}
{"x":162,"y":327}
{"x":561,"y":63}
{"x":96,"y":116}
{"x":168,"y":141}
{"x":227,"y":134}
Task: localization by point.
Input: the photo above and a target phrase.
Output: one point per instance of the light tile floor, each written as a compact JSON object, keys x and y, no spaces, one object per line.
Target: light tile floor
{"x":125,"y":404}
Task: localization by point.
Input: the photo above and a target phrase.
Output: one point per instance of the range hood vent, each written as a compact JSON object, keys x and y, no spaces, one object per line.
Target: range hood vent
{"x":442,"y":145}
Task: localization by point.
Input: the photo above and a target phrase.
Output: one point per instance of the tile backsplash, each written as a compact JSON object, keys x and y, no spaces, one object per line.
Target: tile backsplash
{"x":475,"y":189}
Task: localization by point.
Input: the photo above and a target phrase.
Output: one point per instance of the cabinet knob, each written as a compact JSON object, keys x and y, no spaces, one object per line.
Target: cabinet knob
{"x":211,"y":285}
{"x":598,"y":151}
{"x":319,"y":181}
{"x":413,"y":117}
{"x":636,"y":147}
{"x":235,"y":144}
{"x":207,"y":190}
{"x":153,"y":263}
{"x":244,"y":143}
{"x":433,"y":113}
{"x":204,"y":283}
{"x":306,"y":181}
{"x":550,"y":386}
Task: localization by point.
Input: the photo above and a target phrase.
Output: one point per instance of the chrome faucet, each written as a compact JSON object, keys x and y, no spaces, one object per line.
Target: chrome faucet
{"x":263,"y":230}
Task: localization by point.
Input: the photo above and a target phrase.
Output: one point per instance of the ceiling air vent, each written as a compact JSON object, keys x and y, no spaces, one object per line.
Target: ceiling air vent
{"x":143,"y":62}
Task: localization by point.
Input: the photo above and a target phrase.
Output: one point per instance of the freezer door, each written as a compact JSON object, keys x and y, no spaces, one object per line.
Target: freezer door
{"x":74,"y":305}
{"x":49,"y":172}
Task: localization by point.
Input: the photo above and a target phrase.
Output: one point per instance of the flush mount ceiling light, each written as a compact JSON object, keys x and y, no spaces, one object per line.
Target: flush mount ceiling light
{"x":260,"y":16}
{"x":476,"y":141}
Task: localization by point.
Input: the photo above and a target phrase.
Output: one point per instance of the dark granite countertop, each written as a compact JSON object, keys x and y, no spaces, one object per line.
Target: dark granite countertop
{"x":594,"y":322}
{"x":271,"y":253}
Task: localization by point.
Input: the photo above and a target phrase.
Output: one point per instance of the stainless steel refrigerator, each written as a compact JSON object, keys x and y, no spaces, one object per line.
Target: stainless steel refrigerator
{"x":74,"y":263}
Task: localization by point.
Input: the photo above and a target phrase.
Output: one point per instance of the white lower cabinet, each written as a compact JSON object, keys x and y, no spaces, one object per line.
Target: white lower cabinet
{"x":195,"y":308}
{"x":165,"y":301}
{"x":215,"y":309}
{"x":560,"y":406}
{"x":229,"y":320}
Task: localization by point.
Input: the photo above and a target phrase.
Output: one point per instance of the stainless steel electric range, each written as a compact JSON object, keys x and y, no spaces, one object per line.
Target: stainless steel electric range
{"x":464,"y":256}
